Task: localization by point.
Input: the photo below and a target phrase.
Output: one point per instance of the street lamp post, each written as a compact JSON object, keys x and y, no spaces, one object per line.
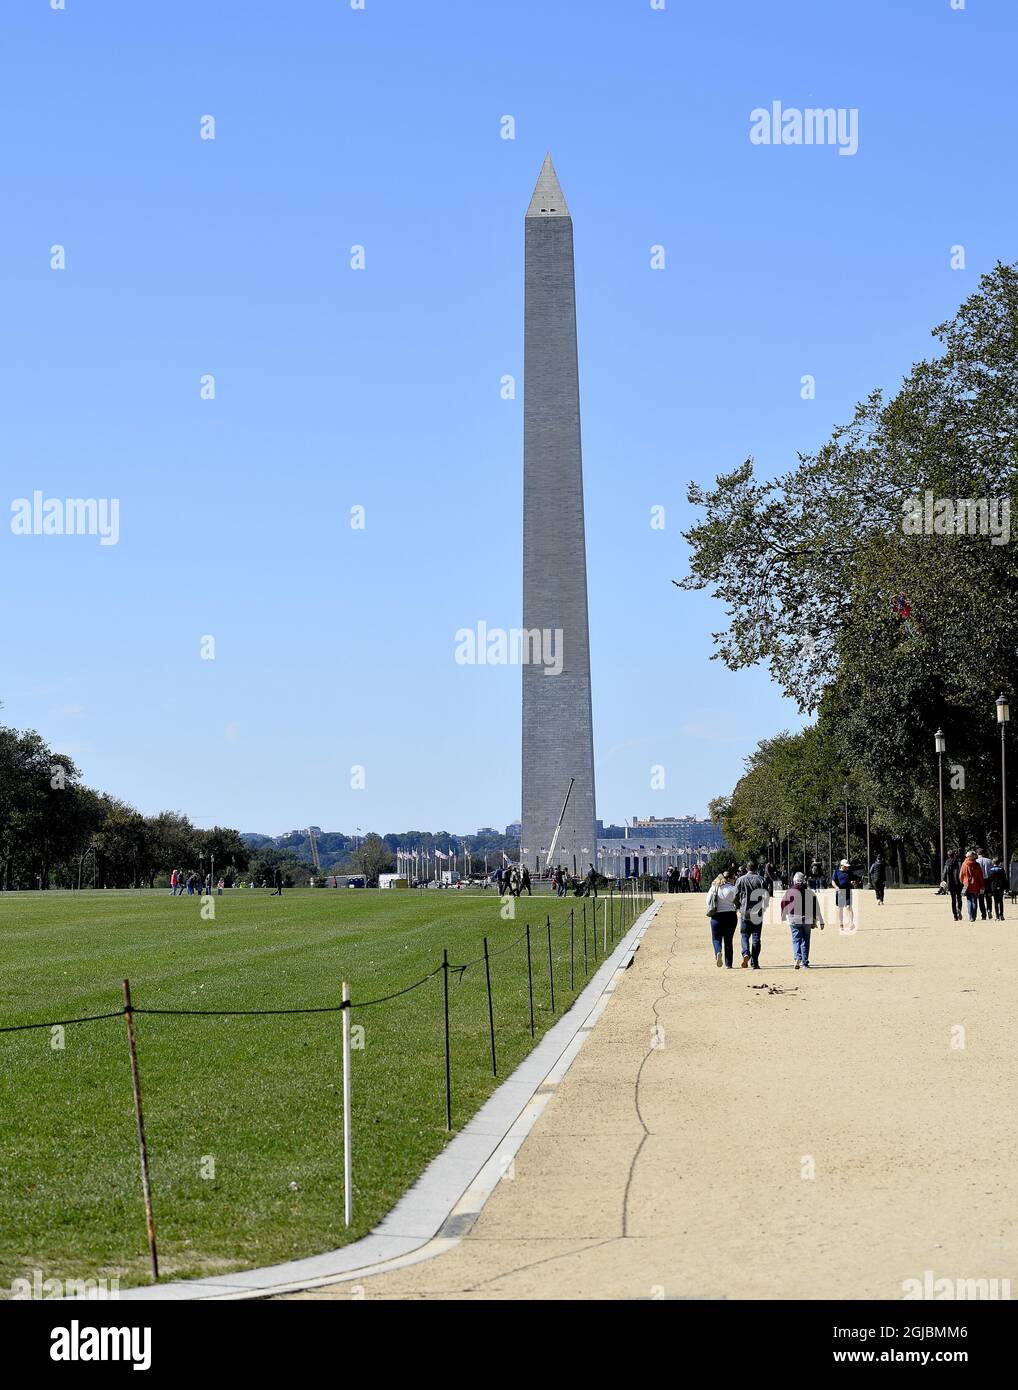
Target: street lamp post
{"x":1003,"y":717}
{"x":844,"y":790}
{"x":941,"y":744}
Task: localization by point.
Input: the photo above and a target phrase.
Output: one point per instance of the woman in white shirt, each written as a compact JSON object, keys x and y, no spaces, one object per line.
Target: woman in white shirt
{"x":724,"y":917}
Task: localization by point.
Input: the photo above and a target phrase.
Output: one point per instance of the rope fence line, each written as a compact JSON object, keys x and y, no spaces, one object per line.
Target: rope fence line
{"x":628,"y":905}
{"x":62,"y":1022}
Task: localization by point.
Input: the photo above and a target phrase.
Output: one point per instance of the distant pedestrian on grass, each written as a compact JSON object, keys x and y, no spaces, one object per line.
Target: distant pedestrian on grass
{"x":973,"y":883}
{"x":498,"y":880}
{"x":951,"y":877}
{"x":841,"y":882}
{"x":525,"y":882}
{"x":173,"y":884}
{"x":591,"y":882}
{"x":277,"y":880}
{"x":878,"y":878}
{"x":723,"y":916}
{"x":800,"y":907}
{"x":751,"y":898}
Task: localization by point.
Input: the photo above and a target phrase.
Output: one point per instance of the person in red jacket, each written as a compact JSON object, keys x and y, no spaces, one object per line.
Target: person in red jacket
{"x":972,"y":881}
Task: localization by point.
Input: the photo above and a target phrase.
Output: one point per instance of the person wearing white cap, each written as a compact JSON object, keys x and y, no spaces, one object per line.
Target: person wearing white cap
{"x":841,"y":882}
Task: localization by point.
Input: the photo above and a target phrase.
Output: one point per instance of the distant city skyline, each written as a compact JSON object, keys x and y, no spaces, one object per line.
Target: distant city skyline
{"x":513,"y":828}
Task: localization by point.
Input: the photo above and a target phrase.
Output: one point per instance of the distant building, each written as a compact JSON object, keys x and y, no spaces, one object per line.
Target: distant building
{"x":652,"y":844}
{"x":487,"y":830}
{"x":514,"y":830}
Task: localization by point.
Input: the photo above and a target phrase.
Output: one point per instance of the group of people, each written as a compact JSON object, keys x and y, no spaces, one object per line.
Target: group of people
{"x":683,"y":880}
{"x":192,"y":882}
{"x":514,"y":879}
{"x":740,"y":897}
{"x":564,"y":882}
{"x":979,"y":881}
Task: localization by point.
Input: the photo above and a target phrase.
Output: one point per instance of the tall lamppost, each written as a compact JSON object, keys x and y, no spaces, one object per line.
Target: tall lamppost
{"x":844,"y":791}
{"x":941,"y":743}
{"x":1003,"y":716}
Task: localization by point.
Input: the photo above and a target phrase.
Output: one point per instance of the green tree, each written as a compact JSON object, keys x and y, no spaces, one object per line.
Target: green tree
{"x":885,"y":631}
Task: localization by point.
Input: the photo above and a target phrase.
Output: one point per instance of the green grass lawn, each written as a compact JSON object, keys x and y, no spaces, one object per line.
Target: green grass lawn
{"x":260,"y":1097}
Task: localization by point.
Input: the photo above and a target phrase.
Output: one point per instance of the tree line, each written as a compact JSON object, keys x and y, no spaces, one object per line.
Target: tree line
{"x":877,"y":579}
{"x":55,"y":832}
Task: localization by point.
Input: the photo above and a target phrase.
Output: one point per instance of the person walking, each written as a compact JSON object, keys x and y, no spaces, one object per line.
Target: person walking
{"x":816,"y":876}
{"x":951,"y":877}
{"x":973,"y":883}
{"x":997,"y":886}
{"x":173,"y":884}
{"x":723,"y":916}
{"x":986,"y":901}
{"x":878,"y":878}
{"x":841,"y":882}
{"x":800,"y":907}
{"x":525,"y":882}
{"x":498,"y":880}
{"x":695,"y":876}
{"x":751,"y":899}
{"x":591,"y":882}
{"x":277,"y":883}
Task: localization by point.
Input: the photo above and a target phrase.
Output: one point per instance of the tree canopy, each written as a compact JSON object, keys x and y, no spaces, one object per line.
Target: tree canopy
{"x":56,"y":832}
{"x":881,"y":605}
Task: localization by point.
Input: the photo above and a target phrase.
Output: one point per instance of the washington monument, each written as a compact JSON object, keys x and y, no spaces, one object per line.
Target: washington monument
{"x":558,"y":741}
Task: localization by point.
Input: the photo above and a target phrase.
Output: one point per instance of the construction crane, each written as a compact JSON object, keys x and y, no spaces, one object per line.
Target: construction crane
{"x":558,"y":828}
{"x":314,"y":851}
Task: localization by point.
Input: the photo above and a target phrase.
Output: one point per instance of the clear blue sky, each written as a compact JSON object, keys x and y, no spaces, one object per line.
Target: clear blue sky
{"x":381,"y":388}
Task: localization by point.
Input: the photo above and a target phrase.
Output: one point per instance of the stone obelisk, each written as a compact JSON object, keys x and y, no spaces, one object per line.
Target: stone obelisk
{"x":558,"y":741}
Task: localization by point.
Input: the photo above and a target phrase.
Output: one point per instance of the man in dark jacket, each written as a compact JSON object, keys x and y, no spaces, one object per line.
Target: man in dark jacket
{"x":277,"y":883}
{"x":951,"y":876}
{"x":878,"y":878}
{"x":751,"y":898}
{"x":997,"y":885}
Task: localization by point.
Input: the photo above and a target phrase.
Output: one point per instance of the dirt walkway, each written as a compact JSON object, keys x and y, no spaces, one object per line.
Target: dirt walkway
{"x":831,"y":1134}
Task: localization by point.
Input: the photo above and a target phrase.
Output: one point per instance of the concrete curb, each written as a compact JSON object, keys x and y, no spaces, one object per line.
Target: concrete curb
{"x":446,"y":1200}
